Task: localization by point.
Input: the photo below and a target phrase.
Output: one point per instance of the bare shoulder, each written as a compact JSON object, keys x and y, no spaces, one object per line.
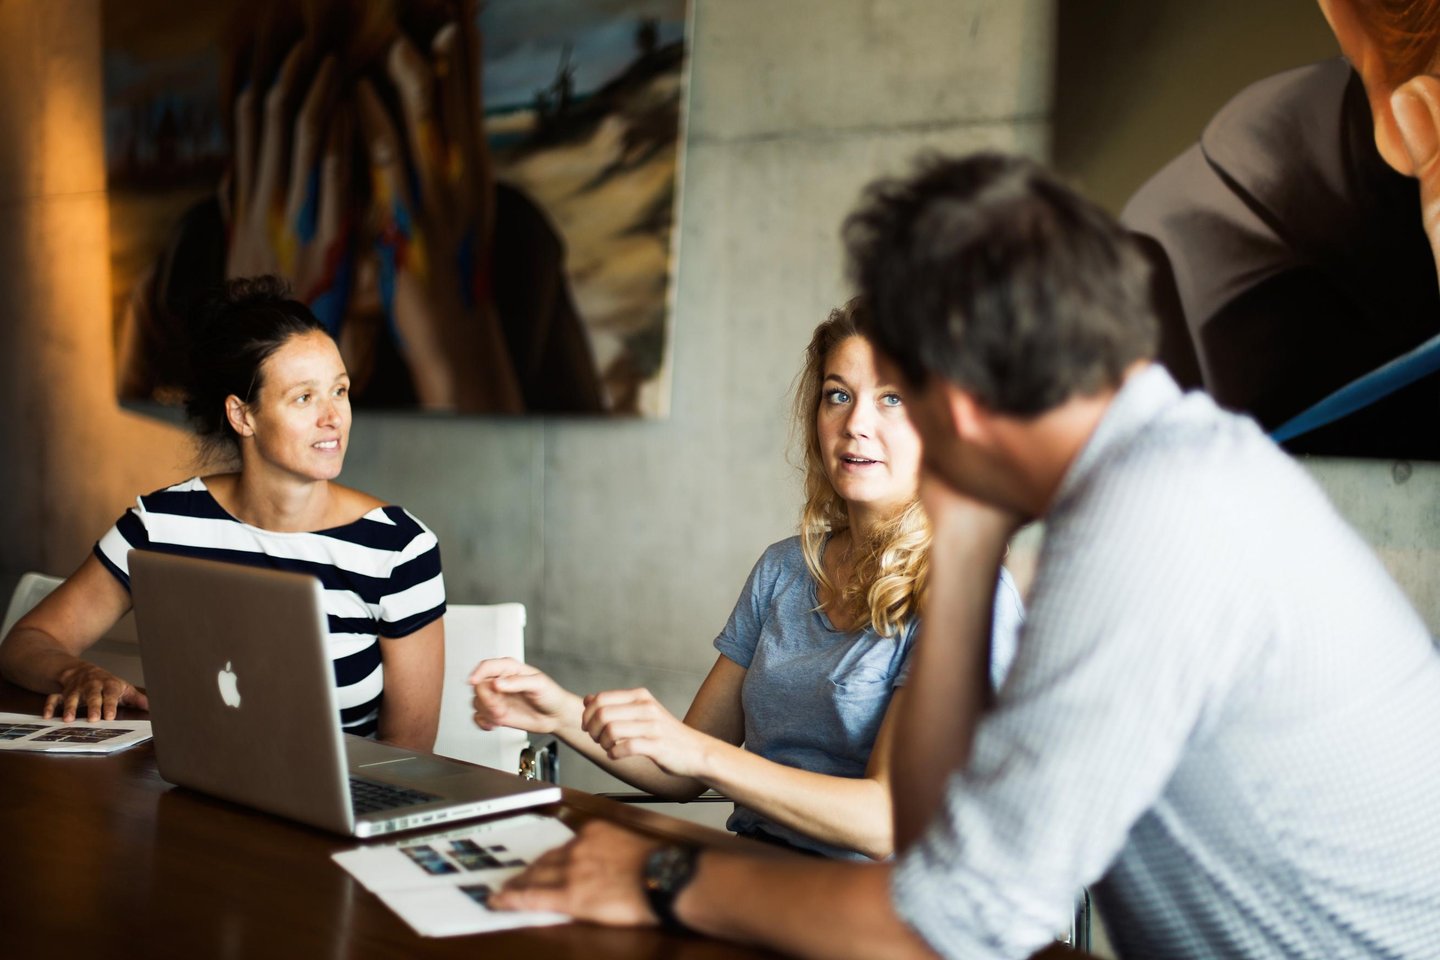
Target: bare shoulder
{"x":224,"y":489}
{"x":353,"y":504}
{"x":220,"y":484}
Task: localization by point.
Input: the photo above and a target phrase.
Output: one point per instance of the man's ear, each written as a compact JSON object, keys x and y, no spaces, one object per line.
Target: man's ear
{"x":239,"y":416}
{"x":1368,"y":58}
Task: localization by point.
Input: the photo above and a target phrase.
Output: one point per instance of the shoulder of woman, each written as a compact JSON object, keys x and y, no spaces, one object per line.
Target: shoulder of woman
{"x":356,"y":503}
{"x":781,"y":558}
{"x":218,"y":487}
{"x":788,"y":550}
{"x":214,"y":482}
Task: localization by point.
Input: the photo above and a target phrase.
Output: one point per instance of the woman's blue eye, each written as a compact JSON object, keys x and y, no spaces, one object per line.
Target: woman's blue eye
{"x":836,"y":395}
{"x":891,"y":400}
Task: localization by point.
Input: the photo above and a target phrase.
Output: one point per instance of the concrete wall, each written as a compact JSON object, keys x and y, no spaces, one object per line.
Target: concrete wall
{"x":1136,"y":81}
{"x":71,"y":458}
{"x":628,"y":542}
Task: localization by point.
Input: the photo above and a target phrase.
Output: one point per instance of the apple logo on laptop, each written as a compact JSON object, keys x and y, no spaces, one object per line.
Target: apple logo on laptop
{"x":229,"y":686}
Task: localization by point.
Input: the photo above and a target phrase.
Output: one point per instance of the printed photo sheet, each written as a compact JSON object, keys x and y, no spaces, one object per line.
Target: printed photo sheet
{"x":438,"y":883}
{"x":22,"y":731}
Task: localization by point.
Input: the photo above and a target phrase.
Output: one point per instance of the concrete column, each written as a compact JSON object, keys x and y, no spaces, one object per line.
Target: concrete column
{"x":71,"y":458}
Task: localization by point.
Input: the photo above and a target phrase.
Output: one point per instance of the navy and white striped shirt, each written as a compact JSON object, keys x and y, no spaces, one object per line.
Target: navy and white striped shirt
{"x":381,"y":575}
{"x":1221,"y":703}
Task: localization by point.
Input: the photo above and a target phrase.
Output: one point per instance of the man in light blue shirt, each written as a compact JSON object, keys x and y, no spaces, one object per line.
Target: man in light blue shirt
{"x":1222,"y":713}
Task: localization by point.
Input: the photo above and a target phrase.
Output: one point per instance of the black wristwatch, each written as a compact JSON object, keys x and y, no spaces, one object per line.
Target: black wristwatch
{"x":668,"y":870}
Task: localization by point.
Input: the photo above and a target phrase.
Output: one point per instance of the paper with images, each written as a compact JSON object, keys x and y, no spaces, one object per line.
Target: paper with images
{"x":438,"y":883}
{"x":23,"y":731}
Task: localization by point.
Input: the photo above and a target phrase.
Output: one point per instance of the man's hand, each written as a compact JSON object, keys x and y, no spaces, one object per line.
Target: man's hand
{"x":597,"y":877}
{"x":953,"y":513}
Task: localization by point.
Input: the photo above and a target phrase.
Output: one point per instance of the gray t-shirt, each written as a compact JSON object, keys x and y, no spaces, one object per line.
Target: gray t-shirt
{"x":814,"y":696}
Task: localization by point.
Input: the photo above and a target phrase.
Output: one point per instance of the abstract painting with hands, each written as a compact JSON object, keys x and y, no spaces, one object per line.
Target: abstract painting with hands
{"x":477,"y":199}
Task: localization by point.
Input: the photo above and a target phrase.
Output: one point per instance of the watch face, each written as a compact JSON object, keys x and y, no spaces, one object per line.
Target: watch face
{"x":667,"y":871}
{"x":667,"y":868}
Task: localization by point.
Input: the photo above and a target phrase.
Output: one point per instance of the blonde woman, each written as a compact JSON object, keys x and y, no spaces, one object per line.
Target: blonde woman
{"x":813,"y":656}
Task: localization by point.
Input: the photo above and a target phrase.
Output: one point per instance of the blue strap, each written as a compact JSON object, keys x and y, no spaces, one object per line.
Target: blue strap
{"x":1360,"y":393}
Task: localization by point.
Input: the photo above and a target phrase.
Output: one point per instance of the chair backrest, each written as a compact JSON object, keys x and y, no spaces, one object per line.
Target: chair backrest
{"x":474,"y":633}
{"x":117,"y":651}
{"x":32,"y":588}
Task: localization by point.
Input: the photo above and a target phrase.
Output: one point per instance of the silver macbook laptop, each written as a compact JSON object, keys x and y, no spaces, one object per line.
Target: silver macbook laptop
{"x":242,"y":705}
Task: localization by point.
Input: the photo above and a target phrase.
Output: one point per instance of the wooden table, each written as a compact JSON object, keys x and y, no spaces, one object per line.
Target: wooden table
{"x":101,"y":858}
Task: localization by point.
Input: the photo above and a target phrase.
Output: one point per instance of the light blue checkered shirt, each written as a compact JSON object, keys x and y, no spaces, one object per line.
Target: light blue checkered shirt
{"x":1221,"y":704}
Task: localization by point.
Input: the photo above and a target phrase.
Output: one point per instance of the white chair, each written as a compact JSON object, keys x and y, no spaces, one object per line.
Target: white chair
{"x":473,"y":633}
{"x":32,"y":588}
{"x":117,"y":651}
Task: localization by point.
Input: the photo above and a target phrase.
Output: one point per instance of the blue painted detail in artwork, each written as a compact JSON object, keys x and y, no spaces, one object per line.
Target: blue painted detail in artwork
{"x":1360,"y":393}
{"x":308,"y":218}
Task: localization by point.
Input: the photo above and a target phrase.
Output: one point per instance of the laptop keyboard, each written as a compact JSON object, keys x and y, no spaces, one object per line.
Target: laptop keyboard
{"x":368,"y":796}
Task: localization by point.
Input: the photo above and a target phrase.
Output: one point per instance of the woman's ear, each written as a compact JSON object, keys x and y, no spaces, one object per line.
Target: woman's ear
{"x":1368,"y":58}
{"x":239,"y":416}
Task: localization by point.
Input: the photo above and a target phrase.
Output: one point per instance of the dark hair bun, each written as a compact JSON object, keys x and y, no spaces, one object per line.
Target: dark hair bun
{"x":234,"y":331}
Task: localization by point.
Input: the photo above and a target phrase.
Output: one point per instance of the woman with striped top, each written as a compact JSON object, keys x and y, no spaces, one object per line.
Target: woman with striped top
{"x":267,"y":384}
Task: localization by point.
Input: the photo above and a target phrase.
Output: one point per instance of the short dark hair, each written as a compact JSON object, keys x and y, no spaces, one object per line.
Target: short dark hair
{"x":235,"y":330}
{"x":988,"y":272}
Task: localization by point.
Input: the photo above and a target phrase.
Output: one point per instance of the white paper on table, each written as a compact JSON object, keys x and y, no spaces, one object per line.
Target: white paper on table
{"x":437,"y":882}
{"x":25,"y":731}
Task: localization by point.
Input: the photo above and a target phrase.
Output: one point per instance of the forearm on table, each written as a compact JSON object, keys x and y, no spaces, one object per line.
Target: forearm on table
{"x":949,"y":681}
{"x":843,"y":811}
{"x":801,"y":906}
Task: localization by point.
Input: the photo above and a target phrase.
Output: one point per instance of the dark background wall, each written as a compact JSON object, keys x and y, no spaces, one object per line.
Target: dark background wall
{"x":1136,"y":80}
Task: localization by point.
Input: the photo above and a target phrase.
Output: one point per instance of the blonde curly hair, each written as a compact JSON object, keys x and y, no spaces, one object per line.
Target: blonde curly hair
{"x":892,"y":564}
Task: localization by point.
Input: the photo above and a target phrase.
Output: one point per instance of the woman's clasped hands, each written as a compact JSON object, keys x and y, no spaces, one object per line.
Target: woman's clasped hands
{"x":623,"y":723}
{"x":632,"y":723}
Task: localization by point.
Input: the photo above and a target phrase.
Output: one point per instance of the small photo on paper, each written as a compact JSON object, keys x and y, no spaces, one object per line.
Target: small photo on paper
{"x":478,"y":892}
{"x":429,"y":859}
{"x":473,"y":856}
{"x":79,"y":735}
{"x":15,"y":731}
{"x":24,"y":731}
